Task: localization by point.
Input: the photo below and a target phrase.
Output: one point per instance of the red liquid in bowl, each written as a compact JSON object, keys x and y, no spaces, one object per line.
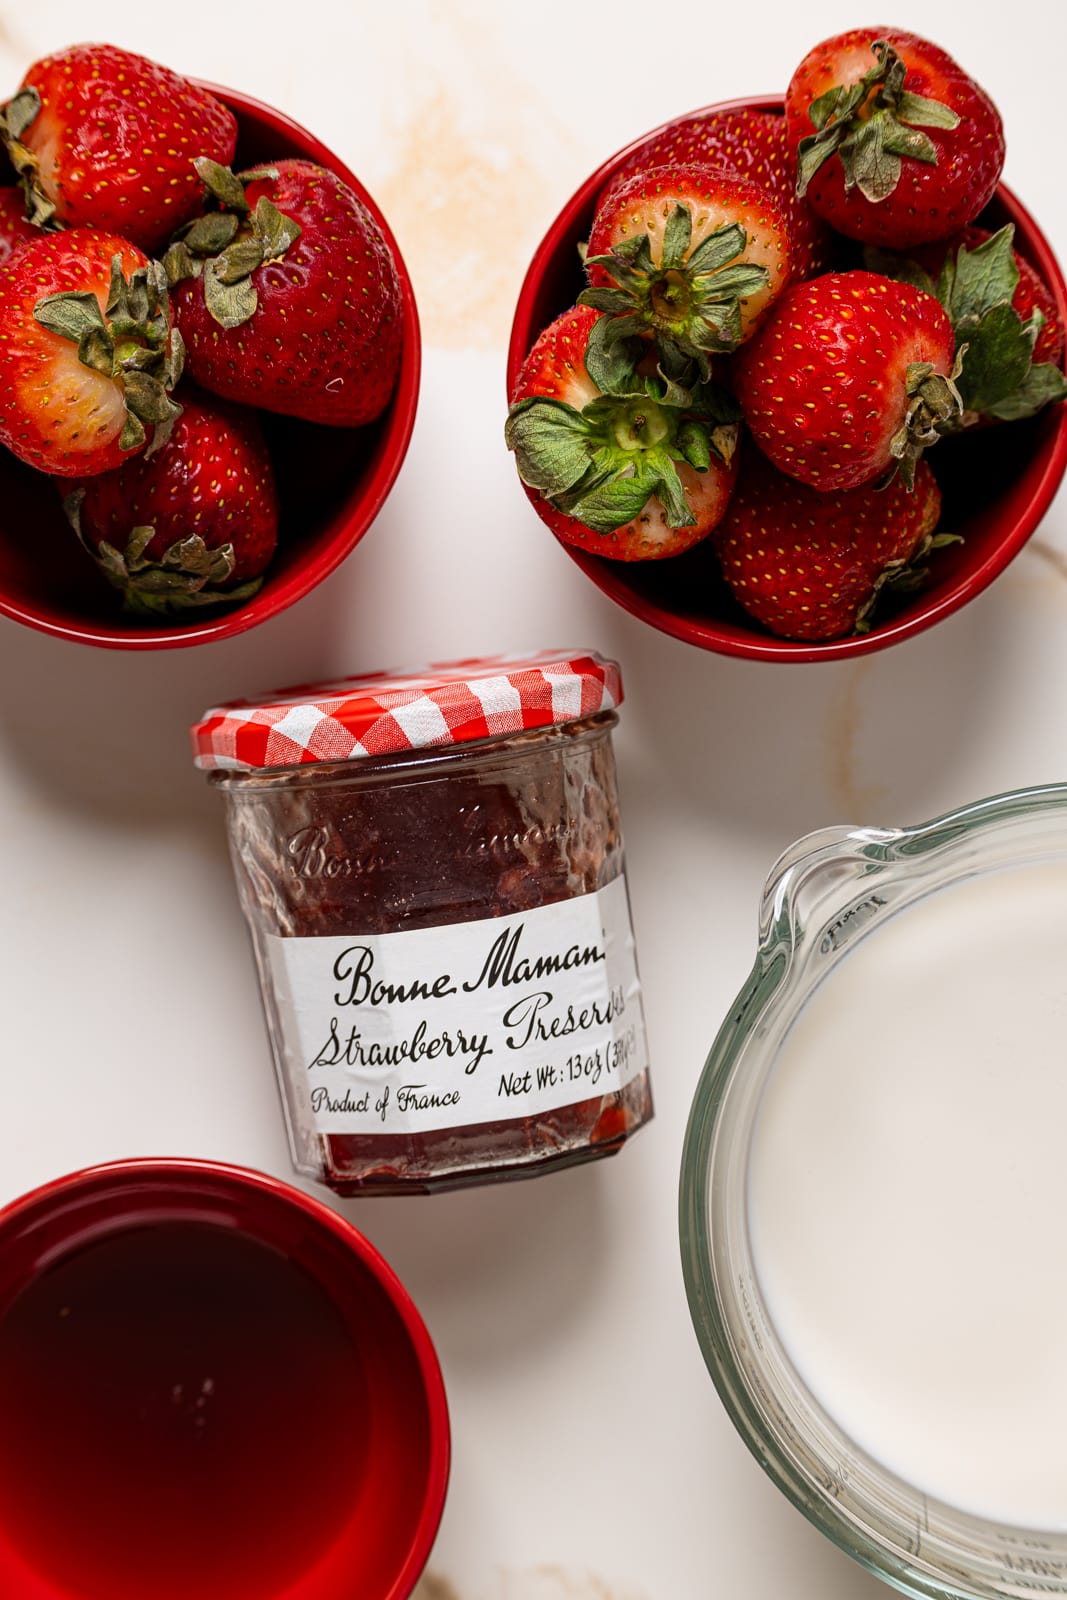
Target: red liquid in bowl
{"x":211,"y":1388}
{"x":161,"y":1392}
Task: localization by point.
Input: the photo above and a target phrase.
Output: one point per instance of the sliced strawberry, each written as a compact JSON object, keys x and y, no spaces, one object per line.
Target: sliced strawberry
{"x":690,"y":255}
{"x":1007,"y":326}
{"x":614,"y":458}
{"x":103,"y":137}
{"x":87,"y":353}
{"x":896,"y":144}
{"x":755,"y":145}
{"x":810,"y":565}
{"x":289,"y":297}
{"x":192,"y":526}
{"x":852,"y":376}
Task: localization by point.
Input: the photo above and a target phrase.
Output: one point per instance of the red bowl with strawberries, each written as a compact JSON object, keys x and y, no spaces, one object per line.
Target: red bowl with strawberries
{"x":996,"y":482}
{"x":331,"y":481}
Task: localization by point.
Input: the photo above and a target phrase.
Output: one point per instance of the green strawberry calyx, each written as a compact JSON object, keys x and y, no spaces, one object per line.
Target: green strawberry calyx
{"x":602,"y":464}
{"x":998,"y":376}
{"x":934,"y":408}
{"x":15,"y":118}
{"x":226,"y":244}
{"x":902,"y":576}
{"x":690,"y":301}
{"x":132,"y":341}
{"x":188,"y":576}
{"x":873,"y":125}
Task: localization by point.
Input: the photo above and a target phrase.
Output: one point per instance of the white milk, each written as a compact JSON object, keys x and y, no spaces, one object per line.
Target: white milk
{"x":908,"y":1195}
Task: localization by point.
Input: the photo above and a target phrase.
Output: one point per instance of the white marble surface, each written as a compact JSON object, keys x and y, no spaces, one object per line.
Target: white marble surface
{"x":592,"y":1458}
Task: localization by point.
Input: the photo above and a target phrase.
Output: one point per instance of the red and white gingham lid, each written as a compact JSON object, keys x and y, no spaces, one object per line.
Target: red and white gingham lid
{"x":385,"y":713}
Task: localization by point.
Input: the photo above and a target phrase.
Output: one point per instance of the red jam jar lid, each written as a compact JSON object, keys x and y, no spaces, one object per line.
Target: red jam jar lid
{"x":386,"y":713}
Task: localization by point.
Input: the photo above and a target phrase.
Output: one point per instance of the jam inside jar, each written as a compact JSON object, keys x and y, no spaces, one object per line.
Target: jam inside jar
{"x":447,"y":964}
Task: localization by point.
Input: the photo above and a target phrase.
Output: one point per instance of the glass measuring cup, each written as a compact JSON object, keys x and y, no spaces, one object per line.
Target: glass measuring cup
{"x":828,"y":894}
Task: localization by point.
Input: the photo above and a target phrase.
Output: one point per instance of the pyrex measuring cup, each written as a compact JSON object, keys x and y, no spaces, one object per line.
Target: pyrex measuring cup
{"x":826,"y":898}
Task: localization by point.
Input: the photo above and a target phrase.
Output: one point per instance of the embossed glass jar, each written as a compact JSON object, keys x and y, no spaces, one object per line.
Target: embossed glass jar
{"x":432,"y":870}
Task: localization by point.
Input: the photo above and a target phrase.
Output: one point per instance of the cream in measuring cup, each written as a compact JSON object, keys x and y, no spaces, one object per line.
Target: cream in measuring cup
{"x":907,"y":1194}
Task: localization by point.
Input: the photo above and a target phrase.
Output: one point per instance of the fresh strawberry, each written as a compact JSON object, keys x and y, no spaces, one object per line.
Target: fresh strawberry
{"x":851,"y":377}
{"x":614,"y":459}
{"x":1007,"y":324}
{"x":755,"y":145}
{"x":690,"y":255}
{"x":896,"y":144}
{"x":289,"y":296}
{"x":810,"y":565}
{"x":104,"y":138}
{"x":87,"y":353}
{"x":15,"y":231}
{"x":194,"y":525}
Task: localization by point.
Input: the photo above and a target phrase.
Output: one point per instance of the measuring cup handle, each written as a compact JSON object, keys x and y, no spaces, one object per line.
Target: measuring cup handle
{"x":813,"y":872}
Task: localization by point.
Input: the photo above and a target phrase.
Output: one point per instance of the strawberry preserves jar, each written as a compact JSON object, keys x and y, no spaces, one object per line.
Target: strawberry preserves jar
{"x":432,"y":870}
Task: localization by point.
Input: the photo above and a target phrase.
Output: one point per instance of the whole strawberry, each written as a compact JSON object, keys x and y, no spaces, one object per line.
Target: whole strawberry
{"x":810,"y":565}
{"x":194,"y":525}
{"x":15,"y":231}
{"x":896,"y":144}
{"x":104,"y":138}
{"x":615,"y":458}
{"x":755,"y":145}
{"x":88,"y":354}
{"x":692,"y":256}
{"x":289,"y":296}
{"x":850,"y":378}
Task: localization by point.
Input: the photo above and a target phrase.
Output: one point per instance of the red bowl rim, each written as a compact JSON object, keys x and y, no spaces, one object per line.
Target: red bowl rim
{"x":179,"y":1170}
{"x":399,"y":421}
{"x":604,"y":573}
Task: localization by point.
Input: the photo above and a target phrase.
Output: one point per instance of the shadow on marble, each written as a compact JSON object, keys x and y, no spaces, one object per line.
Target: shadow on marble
{"x":758,"y":748}
{"x":498,"y":1273}
{"x":107,"y":731}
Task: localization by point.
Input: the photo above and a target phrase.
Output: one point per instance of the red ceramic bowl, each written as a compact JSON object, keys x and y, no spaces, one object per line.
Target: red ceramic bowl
{"x":332,"y":482}
{"x":997,"y":483}
{"x":210,"y":1385}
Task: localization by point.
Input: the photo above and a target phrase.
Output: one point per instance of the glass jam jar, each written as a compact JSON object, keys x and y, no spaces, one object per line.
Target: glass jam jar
{"x":432,"y":870}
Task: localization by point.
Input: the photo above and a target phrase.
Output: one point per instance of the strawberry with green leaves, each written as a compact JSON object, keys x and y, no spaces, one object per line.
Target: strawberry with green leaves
{"x":192,"y":526}
{"x":1030,"y":295}
{"x":852,"y":377}
{"x":1006,"y":322}
{"x":88,"y":353}
{"x":104,"y":138}
{"x":754,"y":145}
{"x":688,"y":256}
{"x":617,"y":458}
{"x":810,"y":565}
{"x":896,"y":144}
{"x":288,"y":296}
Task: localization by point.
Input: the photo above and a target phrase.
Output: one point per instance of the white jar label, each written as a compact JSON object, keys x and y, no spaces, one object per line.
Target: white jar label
{"x":473,"y":1022}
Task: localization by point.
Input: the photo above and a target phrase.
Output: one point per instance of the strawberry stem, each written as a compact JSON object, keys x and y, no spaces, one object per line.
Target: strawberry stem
{"x":690,"y":301}
{"x":934,"y":408}
{"x":872,"y":125}
{"x":131,"y":341}
{"x":188,"y":576}
{"x":15,"y":117}
{"x":226,"y":247}
{"x":604,"y":463}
